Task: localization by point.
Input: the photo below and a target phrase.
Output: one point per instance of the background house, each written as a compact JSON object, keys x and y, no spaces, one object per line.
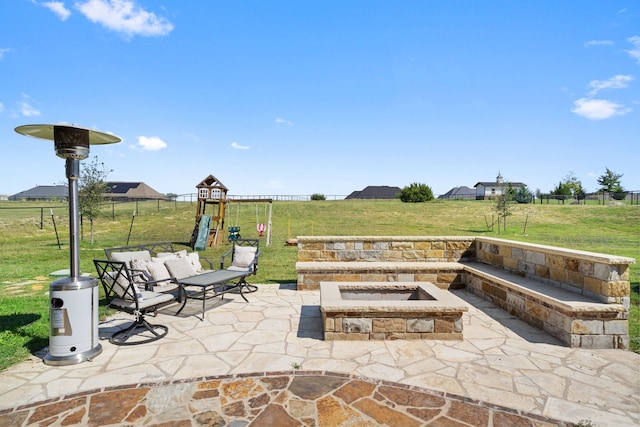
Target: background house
{"x":43,"y":192}
{"x":375,"y":192}
{"x":489,"y":190}
{"x":129,"y":191}
{"x":459,"y":193}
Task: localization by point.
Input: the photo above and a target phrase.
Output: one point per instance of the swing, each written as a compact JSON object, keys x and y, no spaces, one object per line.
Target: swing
{"x":260,"y":226}
{"x":234,"y":231}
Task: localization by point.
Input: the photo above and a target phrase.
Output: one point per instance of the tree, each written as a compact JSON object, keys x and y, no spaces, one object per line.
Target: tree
{"x":92,"y":187}
{"x":610,"y":183}
{"x":503,"y":205}
{"x":523,"y":195}
{"x":416,"y":193}
{"x":571,"y":186}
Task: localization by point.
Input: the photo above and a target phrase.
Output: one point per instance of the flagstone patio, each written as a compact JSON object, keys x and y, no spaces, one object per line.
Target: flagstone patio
{"x":265,"y":363}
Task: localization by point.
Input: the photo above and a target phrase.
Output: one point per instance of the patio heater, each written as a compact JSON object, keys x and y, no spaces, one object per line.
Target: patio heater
{"x":73,"y":329}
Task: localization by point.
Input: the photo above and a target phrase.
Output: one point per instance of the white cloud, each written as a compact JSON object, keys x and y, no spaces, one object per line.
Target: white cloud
{"x":239,"y":147}
{"x":26,"y":108}
{"x":151,"y":143}
{"x":125,"y":17}
{"x":615,"y":82}
{"x":3,"y":51}
{"x":1,"y":107}
{"x":280,"y":121}
{"x":598,"y":43}
{"x":58,"y":8}
{"x":598,"y":109}
{"x":634,"y":52}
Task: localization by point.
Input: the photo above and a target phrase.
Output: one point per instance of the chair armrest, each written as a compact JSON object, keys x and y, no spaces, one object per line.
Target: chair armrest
{"x":253,"y":265}
{"x":225,"y":255}
{"x":208,"y":262}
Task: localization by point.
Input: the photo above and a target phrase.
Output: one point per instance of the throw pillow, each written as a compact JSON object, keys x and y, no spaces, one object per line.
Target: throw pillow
{"x":243,"y":256}
{"x":138,"y":264}
{"x":180,"y":268}
{"x":194,"y":258}
{"x":158,"y":271}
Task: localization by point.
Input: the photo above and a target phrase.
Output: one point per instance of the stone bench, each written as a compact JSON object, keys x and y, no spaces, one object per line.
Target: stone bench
{"x":580,"y":297}
{"x":576,"y":320}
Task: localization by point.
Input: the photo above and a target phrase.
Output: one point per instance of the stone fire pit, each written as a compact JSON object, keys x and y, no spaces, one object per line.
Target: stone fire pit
{"x":389,"y":310}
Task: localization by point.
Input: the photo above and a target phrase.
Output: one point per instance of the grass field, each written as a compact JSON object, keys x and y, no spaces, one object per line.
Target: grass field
{"x":29,"y":248}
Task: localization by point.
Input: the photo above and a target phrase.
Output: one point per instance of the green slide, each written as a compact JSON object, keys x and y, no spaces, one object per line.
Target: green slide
{"x":203,"y":233}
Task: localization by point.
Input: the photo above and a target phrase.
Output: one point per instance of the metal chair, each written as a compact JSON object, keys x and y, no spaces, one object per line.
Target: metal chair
{"x":244,"y":257}
{"x":129,"y":291}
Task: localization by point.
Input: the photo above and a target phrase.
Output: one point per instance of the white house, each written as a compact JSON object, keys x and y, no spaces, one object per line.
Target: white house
{"x":490,"y":190}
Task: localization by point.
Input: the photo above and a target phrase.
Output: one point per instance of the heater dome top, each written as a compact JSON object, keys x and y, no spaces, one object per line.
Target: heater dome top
{"x":47,"y":132}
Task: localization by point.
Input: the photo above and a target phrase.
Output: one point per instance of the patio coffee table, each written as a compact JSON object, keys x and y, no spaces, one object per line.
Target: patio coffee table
{"x":217,"y":283}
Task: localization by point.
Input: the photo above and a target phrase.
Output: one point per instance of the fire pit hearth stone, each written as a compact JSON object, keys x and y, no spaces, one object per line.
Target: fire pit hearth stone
{"x":389,"y":310}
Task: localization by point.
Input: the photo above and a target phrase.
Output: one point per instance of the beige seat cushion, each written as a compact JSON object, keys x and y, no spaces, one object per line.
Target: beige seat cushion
{"x":149,"y":299}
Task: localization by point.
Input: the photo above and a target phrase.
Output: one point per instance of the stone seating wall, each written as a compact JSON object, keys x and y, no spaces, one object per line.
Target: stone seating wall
{"x":580,"y":297}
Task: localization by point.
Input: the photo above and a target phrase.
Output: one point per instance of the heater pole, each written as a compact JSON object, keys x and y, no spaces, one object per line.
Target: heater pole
{"x":73,"y":173}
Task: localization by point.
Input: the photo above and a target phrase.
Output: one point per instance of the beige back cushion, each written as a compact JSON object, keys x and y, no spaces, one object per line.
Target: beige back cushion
{"x":128,"y":256}
{"x":243,"y":255}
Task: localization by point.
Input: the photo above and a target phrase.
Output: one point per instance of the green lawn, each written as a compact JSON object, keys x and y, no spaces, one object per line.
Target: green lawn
{"x":29,"y":252}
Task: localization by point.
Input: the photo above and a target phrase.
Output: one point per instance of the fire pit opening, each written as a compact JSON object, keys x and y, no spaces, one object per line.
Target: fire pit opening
{"x":404,"y":294}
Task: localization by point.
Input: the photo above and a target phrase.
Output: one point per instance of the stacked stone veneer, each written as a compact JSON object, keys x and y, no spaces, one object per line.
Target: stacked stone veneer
{"x":393,"y":326}
{"x":598,"y":318}
{"x":603,"y":279}
{"x":389,"y":249}
{"x":383,"y":259}
{"x":434,"y":314}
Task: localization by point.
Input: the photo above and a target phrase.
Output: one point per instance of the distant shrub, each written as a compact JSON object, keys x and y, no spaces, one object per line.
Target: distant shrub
{"x":523,"y":195}
{"x":416,"y":193}
{"x":620,"y":195}
{"x":317,"y":196}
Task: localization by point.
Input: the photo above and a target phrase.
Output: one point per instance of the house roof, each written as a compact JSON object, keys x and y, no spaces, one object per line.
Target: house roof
{"x":461,"y":191}
{"x":375,"y":192}
{"x":43,"y":192}
{"x":499,"y":184}
{"x":121,"y":187}
{"x":133,"y":190}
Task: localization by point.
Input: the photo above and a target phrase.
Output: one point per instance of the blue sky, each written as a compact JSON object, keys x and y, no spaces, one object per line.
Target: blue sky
{"x":302,"y":97}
